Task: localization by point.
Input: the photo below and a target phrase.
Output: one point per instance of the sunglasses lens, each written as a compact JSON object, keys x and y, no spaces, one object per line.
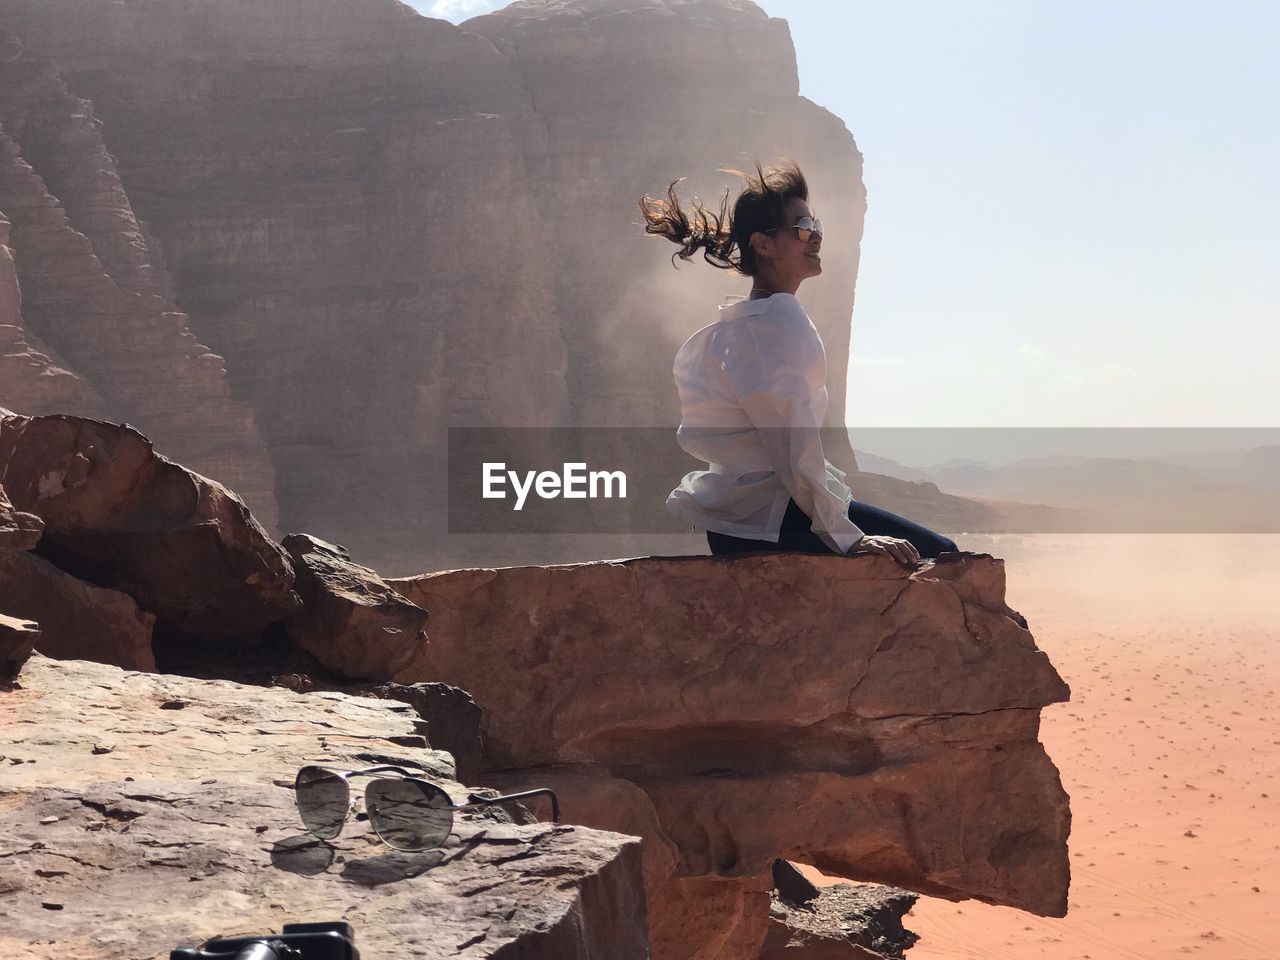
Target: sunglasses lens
{"x":322,"y":799}
{"x":409,"y":814}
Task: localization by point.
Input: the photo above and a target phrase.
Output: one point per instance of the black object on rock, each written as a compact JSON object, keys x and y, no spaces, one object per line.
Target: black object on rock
{"x":792,"y":885}
{"x":298,"y":941}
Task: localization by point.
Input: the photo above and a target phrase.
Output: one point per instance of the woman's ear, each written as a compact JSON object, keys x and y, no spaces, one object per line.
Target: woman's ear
{"x":760,"y":245}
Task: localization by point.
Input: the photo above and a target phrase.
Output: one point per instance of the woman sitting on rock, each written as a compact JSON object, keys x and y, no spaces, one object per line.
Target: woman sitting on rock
{"x":753,"y":388}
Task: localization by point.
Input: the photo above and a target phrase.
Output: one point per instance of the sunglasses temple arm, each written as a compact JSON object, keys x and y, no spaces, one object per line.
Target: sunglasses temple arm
{"x":508,"y":798}
{"x":368,"y":770}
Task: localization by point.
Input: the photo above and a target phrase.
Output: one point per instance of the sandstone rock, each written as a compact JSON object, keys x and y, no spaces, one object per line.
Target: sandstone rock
{"x":18,"y":530}
{"x":31,"y":375}
{"x":88,"y":323}
{"x":709,"y":918}
{"x":190,"y":813}
{"x":77,"y":620}
{"x":792,"y":886}
{"x":453,"y":722}
{"x":892,"y":820}
{"x":119,"y":515}
{"x":784,"y":943}
{"x":350,"y":620}
{"x":17,"y":639}
{"x":844,"y":712}
{"x":589,"y":795}
{"x":844,"y":922}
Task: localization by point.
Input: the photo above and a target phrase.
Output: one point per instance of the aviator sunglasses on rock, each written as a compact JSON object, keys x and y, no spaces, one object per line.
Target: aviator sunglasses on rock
{"x":805,"y":227}
{"x":405,"y":812}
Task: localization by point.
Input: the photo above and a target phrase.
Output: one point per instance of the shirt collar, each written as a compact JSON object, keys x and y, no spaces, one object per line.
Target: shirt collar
{"x":738,"y":306}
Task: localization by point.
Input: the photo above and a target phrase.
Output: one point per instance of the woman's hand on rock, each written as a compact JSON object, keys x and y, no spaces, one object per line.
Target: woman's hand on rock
{"x":901,"y":550}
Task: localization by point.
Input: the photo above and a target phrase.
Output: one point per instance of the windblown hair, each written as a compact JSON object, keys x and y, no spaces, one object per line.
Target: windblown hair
{"x":725,"y":241}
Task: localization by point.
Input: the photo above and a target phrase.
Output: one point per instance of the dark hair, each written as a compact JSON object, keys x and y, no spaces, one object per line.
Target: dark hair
{"x":726,"y":241}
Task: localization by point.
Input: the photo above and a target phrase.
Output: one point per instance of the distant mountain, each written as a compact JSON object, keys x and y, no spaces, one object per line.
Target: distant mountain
{"x":969,"y":475}
{"x":1233,"y":491}
{"x":1249,"y":467}
{"x":1037,"y":476}
{"x":1042,"y":475}
{"x":925,"y":504}
{"x":891,"y":468}
{"x":956,"y":463}
{"x":1261,"y":466}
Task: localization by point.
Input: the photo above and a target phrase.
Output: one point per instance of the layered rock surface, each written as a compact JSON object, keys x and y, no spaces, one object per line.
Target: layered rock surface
{"x":119,"y":516}
{"x":77,"y":619}
{"x":18,"y":530}
{"x":17,"y":640}
{"x":876,"y":722}
{"x":296,"y":184}
{"x":124,"y":788}
{"x":350,"y":620}
{"x":87,"y":325}
{"x":842,"y":922}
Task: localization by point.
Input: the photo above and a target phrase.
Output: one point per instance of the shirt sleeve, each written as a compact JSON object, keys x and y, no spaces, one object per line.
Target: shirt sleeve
{"x":778,"y":371}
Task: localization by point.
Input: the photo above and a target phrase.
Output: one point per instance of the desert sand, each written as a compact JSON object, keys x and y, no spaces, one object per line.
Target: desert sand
{"x":1170,"y":750}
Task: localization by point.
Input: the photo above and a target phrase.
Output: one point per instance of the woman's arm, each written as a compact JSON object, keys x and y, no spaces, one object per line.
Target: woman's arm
{"x":778,"y":370}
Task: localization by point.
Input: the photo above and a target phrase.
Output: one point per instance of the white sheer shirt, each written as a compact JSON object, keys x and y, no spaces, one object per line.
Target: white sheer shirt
{"x":753,"y":394}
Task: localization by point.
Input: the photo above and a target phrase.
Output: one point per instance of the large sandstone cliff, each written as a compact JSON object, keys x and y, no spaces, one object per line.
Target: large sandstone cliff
{"x":380,"y":225}
{"x":85,"y":324}
{"x":877,"y":722}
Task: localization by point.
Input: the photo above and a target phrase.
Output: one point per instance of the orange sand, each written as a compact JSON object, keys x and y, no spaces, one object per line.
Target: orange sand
{"x":1170,"y":750}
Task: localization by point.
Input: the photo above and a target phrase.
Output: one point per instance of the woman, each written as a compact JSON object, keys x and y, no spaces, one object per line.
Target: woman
{"x":753,"y":390}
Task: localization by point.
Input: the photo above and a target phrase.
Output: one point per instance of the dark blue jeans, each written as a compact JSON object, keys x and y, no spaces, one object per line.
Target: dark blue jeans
{"x":795,"y":536}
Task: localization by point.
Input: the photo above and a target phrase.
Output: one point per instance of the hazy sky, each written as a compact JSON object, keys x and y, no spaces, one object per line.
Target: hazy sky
{"x":1073,"y":214}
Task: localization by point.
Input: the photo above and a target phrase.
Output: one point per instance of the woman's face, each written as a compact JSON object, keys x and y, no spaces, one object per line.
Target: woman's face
{"x":788,"y":257}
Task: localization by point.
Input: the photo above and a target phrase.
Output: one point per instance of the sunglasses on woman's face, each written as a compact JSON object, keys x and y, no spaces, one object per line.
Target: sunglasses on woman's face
{"x":405,"y":812}
{"x":805,"y":227}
